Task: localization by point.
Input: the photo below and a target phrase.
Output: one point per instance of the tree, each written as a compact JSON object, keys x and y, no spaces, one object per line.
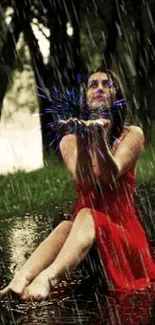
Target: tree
{"x":63,"y":65}
{"x":120,"y":35}
{"x":8,"y":52}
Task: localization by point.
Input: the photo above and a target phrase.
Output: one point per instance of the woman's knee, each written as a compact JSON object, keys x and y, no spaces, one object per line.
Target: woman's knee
{"x":83,"y":213}
{"x":64,"y":227}
{"x":66,"y":224}
{"x":85,"y":216}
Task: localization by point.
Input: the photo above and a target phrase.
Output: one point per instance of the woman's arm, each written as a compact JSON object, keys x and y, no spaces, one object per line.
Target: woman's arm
{"x":105,"y":166}
{"x":76,"y":156}
{"x":110,"y":167}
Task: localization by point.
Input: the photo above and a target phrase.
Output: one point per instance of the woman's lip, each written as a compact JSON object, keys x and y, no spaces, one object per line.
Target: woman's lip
{"x":99,"y":97}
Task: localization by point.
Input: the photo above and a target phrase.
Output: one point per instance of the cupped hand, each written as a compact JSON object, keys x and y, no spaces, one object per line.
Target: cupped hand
{"x":72,"y":125}
{"x":101,"y":124}
{"x":101,"y":121}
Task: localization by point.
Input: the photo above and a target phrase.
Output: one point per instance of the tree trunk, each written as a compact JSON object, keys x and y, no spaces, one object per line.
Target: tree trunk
{"x":41,"y":81}
{"x":145,"y":67}
{"x":8,"y":55}
{"x":59,"y":63}
{"x":76,"y":59}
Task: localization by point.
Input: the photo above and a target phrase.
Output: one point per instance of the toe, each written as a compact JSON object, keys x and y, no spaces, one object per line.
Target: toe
{"x":25,"y":295}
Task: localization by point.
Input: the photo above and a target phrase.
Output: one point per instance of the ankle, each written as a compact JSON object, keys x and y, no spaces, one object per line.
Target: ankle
{"x":24,"y":275}
{"x":51,"y":274}
{"x":53,"y":281}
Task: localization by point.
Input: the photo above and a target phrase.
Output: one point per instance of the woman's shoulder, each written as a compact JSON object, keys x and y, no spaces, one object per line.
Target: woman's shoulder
{"x":137,"y":130}
{"x":138,"y":133}
{"x":133,"y":128}
{"x":126,"y":130}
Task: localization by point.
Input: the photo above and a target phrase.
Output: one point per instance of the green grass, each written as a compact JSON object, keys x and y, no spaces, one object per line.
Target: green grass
{"x":146,"y":165}
{"x":52,"y":186}
{"x":24,"y":192}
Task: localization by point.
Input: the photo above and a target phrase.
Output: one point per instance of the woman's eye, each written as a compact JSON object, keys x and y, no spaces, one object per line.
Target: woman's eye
{"x":108,"y":84}
{"x":93,"y":84}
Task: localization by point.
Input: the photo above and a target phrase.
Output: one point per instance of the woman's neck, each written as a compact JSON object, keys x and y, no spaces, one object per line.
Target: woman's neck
{"x":99,"y":112}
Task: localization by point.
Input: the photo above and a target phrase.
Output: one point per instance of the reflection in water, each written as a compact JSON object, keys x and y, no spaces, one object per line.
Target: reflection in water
{"x":21,"y":241}
{"x":72,"y":301}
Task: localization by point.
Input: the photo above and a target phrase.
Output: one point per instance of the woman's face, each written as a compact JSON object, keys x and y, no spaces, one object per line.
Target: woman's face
{"x":100,"y":92}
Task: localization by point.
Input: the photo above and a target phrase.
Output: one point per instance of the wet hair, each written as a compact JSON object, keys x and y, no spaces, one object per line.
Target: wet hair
{"x":118,"y":109}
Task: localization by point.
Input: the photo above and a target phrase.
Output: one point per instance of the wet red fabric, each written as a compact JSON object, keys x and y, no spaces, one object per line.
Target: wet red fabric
{"x":121,"y":240}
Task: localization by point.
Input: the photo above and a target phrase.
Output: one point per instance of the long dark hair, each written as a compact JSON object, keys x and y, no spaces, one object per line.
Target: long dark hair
{"x":118,"y":108}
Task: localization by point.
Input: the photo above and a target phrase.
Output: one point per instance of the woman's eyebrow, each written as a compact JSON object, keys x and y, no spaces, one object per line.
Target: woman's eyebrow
{"x":106,"y":80}
{"x":92,"y":80}
{"x":103,"y":80}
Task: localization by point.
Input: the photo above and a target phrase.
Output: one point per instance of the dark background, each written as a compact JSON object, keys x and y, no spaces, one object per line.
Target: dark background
{"x":118,"y":34}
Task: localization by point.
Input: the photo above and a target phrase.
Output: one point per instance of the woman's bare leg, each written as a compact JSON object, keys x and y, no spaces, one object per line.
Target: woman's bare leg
{"x":75,"y":248}
{"x":41,"y":258}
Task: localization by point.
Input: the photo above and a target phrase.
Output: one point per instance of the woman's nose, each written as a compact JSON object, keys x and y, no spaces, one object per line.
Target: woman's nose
{"x":100,"y":89}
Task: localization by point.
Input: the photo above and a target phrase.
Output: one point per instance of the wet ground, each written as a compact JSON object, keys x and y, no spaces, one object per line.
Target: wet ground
{"x":76,"y":300}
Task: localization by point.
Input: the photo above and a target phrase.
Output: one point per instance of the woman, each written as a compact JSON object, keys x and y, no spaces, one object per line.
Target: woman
{"x":101,"y":155}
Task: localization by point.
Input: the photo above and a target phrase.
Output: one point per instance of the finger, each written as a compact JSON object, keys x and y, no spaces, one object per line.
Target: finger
{"x":62,"y":122}
{"x":100,"y":123}
{"x":106,"y":122}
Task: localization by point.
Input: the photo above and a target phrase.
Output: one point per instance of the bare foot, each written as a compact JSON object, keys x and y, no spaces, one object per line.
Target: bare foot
{"x":17,"y":284}
{"x":38,"y":289}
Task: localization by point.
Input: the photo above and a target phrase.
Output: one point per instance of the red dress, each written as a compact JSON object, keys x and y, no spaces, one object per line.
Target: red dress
{"x":120,"y":238}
